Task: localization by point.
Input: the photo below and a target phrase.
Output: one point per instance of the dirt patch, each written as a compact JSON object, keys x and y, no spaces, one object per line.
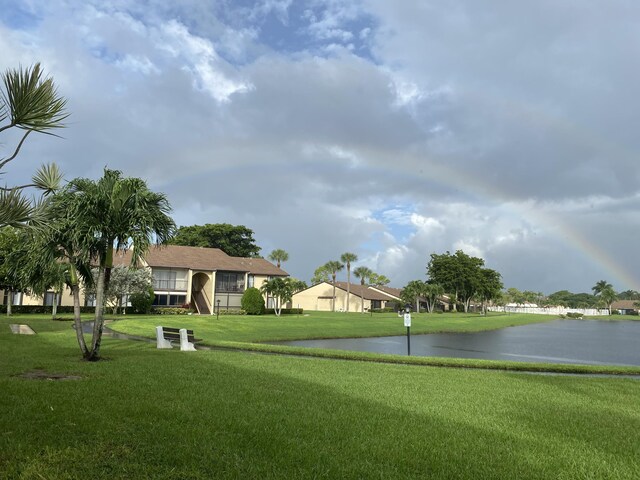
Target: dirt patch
{"x":43,"y":375}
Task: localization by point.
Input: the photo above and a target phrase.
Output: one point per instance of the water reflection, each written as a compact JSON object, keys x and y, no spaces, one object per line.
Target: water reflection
{"x":562,"y":341}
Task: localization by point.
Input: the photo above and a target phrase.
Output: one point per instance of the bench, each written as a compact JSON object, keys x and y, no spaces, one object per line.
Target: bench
{"x":166,"y":335}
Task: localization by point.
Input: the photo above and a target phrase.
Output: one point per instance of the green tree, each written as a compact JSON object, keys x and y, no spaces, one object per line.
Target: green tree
{"x":431,"y":293}
{"x":281,"y":289}
{"x":459,"y":274}
{"x":113,"y":214}
{"x":252,"y":301}
{"x":278,"y":255}
{"x":363,"y":273}
{"x":605,"y":293}
{"x":321,"y":274}
{"x":378,"y":280}
{"x":347,"y":258}
{"x":124,"y":282}
{"x":10,"y":244}
{"x":334,"y":267}
{"x":234,"y":240}
{"x":28,"y":102}
{"x":412,"y":293}
{"x":490,"y":287}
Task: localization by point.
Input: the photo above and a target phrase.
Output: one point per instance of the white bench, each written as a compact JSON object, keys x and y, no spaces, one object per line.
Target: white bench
{"x":166,"y":335}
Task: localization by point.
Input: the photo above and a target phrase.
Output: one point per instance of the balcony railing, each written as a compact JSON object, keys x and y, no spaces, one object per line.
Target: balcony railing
{"x":175,"y":285}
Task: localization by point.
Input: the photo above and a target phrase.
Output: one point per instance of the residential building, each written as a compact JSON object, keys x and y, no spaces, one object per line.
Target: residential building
{"x":205,"y":278}
{"x":320,"y":297}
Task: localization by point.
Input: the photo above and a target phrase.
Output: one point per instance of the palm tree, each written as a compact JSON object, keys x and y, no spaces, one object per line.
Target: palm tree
{"x":334,"y":267}
{"x":278,"y":256}
{"x":362,"y":273}
{"x":29,"y":103}
{"x":600,"y":286}
{"x":347,"y":258}
{"x":605,"y":292}
{"x":115,"y":214}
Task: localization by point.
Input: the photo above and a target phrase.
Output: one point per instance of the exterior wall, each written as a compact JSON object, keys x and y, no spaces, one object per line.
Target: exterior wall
{"x":66,"y":298}
{"x":319,"y":298}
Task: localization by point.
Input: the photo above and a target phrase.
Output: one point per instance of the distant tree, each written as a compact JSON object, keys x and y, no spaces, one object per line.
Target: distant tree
{"x":431,"y":293}
{"x":459,"y":274}
{"x":378,"y":280}
{"x":363,"y":273}
{"x":412,"y":293}
{"x":234,"y":240}
{"x":278,"y":256}
{"x":605,"y":293}
{"x":490,"y":287}
{"x":252,"y":301}
{"x":321,"y":274}
{"x":28,"y":102}
{"x":347,"y":258}
{"x":629,"y":295}
{"x":334,"y":267}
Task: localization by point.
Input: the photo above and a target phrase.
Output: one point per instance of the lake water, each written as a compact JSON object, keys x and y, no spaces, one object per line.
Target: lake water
{"x":588,"y":342}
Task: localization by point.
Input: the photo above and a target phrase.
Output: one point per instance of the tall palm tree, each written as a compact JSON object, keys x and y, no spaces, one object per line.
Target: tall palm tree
{"x":362,"y":273}
{"x":28,"y":102}
{"x":278,"y":255}
{"x":334,"y":267}
{"x":116,"y":214}
{"x":600,"y":286}
{"x":347,"y":258}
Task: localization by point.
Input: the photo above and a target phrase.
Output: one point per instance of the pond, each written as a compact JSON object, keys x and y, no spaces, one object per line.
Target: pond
{"x":588,"y":342}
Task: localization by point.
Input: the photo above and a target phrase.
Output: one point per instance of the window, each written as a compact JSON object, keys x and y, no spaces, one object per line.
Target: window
{"x":50,"y":298}
{"x":167,"y":279}
{"x":229,"y":282}
{"x":165,"y":300}
{"x":250,"y":281}
{"x":90,"y":300}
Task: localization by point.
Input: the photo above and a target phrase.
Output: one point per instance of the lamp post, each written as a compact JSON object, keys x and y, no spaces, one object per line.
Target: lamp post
{"x":218,"y":309}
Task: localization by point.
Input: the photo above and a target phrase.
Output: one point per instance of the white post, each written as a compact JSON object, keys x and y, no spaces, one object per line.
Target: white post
{"x":185,"y":344}
{"x":161,"y":342}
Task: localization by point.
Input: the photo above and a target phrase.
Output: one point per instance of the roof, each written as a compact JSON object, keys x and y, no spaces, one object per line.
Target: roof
{"x":200,"y":258}
{"x":394,"y":292}
{"x":359,"y":290}
{"x":625,"y":305}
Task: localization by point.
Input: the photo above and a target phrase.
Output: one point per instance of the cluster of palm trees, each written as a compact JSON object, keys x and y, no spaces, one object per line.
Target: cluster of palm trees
{"x":605,"y":293}
{"x":332,"y":267}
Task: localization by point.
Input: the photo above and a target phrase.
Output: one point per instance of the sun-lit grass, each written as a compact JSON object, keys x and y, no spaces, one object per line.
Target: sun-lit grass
{"x":147,"y":413}
{"x":245,"y":328}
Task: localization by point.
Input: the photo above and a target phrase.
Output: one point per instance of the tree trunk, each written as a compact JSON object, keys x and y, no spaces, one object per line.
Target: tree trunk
{"x":54,"y":307}
{"x":348,"y":285}
{"x":9,"y":301}
{"x":417,"y":304}
{"x":77,"y":321}
{"x":334,"y":293}
{"x":96,"y":340}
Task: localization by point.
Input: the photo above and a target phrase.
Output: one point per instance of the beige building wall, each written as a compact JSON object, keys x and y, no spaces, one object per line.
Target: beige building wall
{"x":319,"y":298}
{"x":66,"y":298}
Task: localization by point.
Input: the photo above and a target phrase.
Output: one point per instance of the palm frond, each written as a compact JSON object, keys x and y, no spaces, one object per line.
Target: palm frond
{"x":32,"y":102}
{"x":48,"y":178}
{"x":15,"y":209}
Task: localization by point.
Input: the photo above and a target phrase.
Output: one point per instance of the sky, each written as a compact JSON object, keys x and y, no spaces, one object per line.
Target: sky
{"x":392,"y":130}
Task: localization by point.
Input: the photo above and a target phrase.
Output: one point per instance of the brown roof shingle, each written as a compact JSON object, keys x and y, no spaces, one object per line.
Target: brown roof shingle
{"x":200,"y":258}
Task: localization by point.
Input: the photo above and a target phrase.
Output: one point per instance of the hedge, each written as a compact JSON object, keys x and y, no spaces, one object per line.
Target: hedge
{"x":285,"y":311}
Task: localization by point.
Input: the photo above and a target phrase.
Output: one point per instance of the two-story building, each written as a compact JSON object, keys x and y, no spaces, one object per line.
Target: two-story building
{"x":205,"y":278}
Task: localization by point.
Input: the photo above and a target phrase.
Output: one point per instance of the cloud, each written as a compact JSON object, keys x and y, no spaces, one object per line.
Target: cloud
{"x":390,"y":130}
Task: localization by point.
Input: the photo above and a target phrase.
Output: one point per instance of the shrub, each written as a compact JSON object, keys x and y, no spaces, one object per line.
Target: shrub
{"x":171,"y":311}
{"x":44,"y":309}
{"x":141,"y":302}
{"x":574,"y":315}
{"x":252,"y":301}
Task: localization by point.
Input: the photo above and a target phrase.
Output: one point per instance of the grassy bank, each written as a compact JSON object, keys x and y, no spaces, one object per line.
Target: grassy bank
{"x":316,"y":325}
{"x":145,"y":413}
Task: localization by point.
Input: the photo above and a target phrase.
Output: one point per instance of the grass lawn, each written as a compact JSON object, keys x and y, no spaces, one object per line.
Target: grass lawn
{"x":147,"y":413}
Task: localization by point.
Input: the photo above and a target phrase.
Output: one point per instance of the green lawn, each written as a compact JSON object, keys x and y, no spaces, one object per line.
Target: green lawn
{"x":314,"y":325}
{"x":147,"y":413}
